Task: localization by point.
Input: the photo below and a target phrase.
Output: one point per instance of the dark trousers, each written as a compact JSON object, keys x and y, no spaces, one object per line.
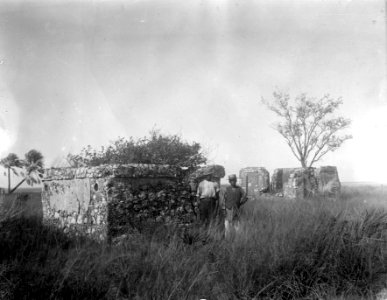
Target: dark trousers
{"x":207,"y":210}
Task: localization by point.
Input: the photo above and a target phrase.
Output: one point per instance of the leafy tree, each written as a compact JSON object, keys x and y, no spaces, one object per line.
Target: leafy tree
{"x":34,"y":168}
{"x":308,"y":125}
{"x":11,"y":163}
{"x":157,"y":148}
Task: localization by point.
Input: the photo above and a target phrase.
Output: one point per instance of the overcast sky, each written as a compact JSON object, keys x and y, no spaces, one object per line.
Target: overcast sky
{"x":78,"y":73}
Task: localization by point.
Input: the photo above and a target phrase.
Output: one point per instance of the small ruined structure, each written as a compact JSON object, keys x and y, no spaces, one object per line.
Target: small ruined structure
{"x":328,"y":181}
{"x":305,"y":182}
{"x":255,"y":179}
{"x":301,"y":183}
{"x":109,"y":200}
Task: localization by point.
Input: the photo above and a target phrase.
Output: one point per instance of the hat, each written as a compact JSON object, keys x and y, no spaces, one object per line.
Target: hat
{"x":232,"y":177}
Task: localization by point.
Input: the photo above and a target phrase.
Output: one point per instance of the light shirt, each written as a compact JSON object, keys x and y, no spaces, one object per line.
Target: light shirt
{"x":207,"y":189}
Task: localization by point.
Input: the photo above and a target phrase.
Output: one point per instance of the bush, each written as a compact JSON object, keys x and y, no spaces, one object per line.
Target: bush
{"x":157,"y":148}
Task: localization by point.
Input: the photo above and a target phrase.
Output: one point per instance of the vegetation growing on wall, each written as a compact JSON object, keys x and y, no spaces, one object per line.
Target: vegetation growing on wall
{"x":157,"y":148}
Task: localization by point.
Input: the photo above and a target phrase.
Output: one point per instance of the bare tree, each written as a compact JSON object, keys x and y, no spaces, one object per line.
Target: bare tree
{"x":308,"y":125}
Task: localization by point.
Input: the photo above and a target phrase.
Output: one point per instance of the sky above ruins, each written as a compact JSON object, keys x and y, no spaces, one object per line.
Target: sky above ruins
{"x":75,"y":73}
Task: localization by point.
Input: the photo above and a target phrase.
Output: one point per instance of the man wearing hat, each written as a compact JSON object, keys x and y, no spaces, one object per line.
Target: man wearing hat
{"x":207,"y":195}
{"x":234,"y":197}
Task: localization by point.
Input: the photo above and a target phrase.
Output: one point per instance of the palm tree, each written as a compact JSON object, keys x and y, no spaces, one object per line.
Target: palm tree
{"x":34,"y":167}
{"x":11,"y":162}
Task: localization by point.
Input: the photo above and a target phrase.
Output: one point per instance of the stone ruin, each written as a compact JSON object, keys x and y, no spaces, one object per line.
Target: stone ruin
{"x":256,"y":180}
{"x":305,"y":182}
{"x":110,"y":200}
{"x":328,"y":181}
{"x":107,"y":201}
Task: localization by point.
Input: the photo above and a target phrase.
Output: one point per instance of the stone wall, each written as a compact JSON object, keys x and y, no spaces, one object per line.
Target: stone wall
{"x":255,"y":179}
{"x":276,"y":182}
{"x":108,"y":200}
{"x":305,"y":182}
{"x":328,"y":181}
{"x":135,"y":203}
{"x":301,"y":183}
{"x":279,"y":179}
{"x":77,"y":205}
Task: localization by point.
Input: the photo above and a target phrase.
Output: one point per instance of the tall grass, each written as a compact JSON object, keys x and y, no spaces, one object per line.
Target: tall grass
{"x":288,"y":249}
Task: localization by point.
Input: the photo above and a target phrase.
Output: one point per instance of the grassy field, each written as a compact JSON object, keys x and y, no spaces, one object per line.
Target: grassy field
{"x":288,"y":249}
{"x":31,"y":206}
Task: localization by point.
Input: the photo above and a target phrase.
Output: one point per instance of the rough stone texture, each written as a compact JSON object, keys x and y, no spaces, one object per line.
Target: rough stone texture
{"x":301,"y":183}
{"x":257,"y":180}
{"x":328,"y":181}
{"x":74,"y":205}
{"x":109,"y":200}
{"x":280,"y":178}
{"x":128,"y":170}
{"x":305,"y":182}
{"x":134,"y":202}
{"x":276,"y":183}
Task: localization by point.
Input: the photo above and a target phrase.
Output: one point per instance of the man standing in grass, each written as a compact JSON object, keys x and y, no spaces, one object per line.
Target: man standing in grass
{"x":234,"y":197}
{"x":207,"y":195}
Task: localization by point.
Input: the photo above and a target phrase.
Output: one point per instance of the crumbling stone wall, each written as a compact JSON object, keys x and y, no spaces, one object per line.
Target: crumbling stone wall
{"x":305,"y":182}
{"x":255,"y":179}
{"x":301,"y":183}
{"x":136,"y":202}
{"x":108,"y":200}
{"x":279,"y":179}
{"x":74,"y":205}
{"x":328,"y":181}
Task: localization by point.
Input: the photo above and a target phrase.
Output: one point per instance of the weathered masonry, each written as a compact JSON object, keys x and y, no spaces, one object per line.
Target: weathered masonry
{"x":305,"y":182}
{"x":328,"y":181}
{"x":108,"y":200}
{"x":255,"y":180}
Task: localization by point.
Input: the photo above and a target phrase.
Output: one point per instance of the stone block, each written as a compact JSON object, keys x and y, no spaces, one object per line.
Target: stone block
{"x":294,"y":182}
{"x":101,"y":201}
{"x":328,"y":181}
{"x":256,"y":180}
